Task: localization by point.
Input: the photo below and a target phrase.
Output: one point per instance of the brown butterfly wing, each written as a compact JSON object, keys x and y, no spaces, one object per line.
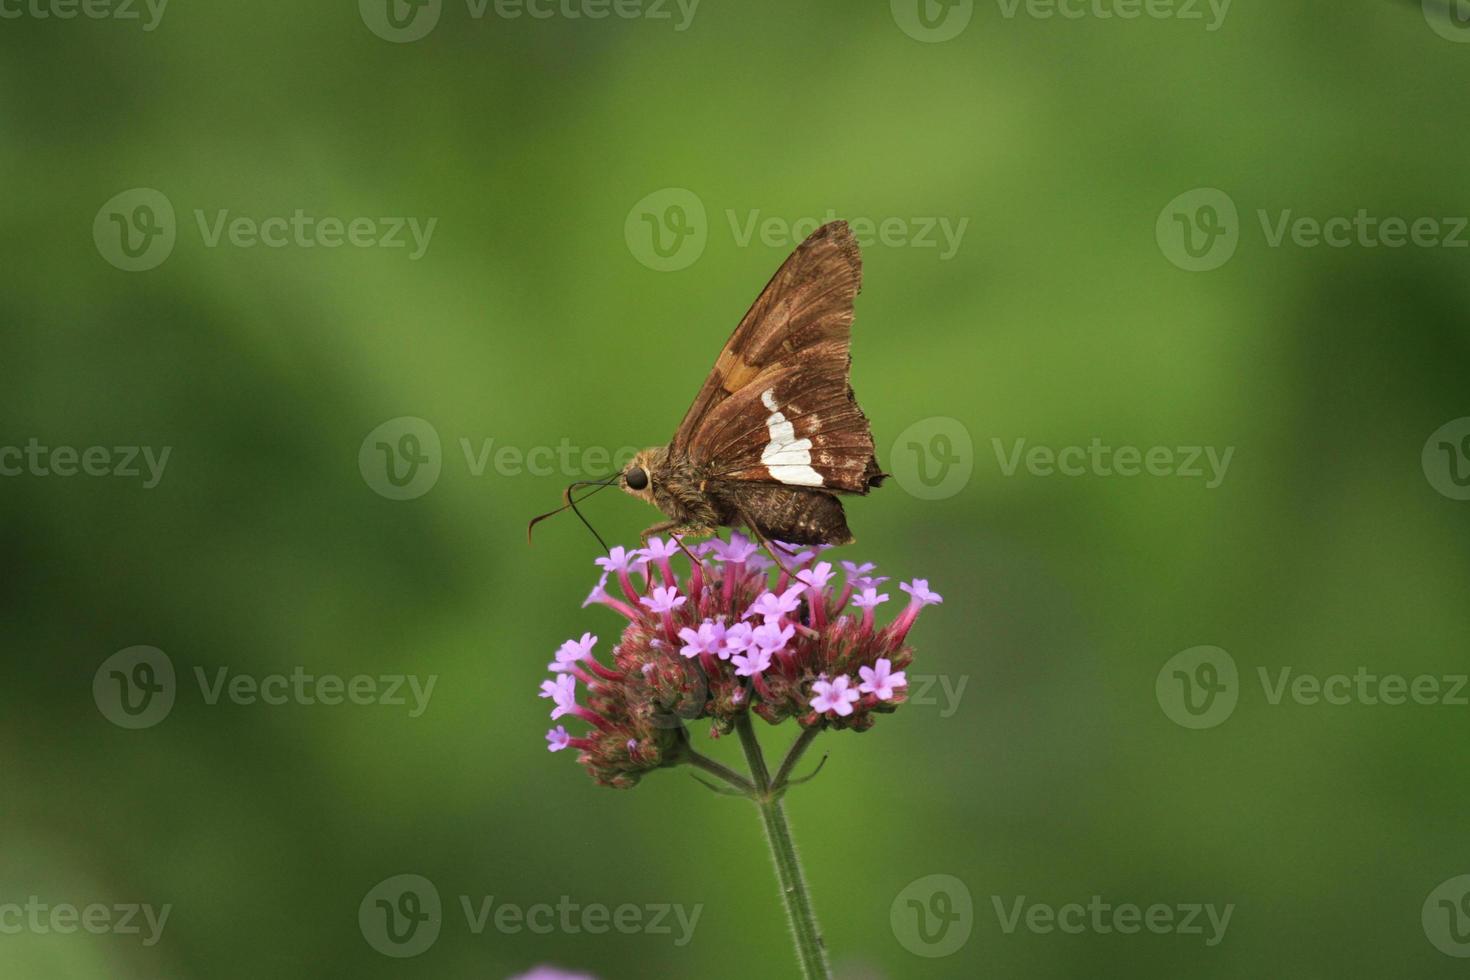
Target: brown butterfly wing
{"x":778,"y":407}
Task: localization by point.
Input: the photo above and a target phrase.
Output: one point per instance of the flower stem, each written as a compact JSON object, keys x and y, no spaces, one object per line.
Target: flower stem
{"x":803,"y":920}
{"x":714,"y":768}
{"x":793,"y":756}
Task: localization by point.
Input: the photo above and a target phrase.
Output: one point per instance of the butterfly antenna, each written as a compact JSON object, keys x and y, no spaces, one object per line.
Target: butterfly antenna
{"x":569,"y":503}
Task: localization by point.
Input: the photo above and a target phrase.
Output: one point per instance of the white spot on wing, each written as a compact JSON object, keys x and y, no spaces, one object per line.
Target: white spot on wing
{"x":788,"y":458}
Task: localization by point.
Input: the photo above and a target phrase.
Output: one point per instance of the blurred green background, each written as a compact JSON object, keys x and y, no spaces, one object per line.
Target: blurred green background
{"x":534,"y":316}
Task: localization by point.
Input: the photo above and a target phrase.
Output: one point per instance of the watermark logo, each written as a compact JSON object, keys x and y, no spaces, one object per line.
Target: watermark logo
{"x":400,"y":21}
{"x":1450,"y":19}
{"x":401,"y":458}
{"x":401,"y":916}
{"x":933,"y":916}
{"x":1198,"y":687}
{"x":934,"y":458}
{"x":1097,"y":458}
{"x":1446,"y":917}
{"x":942,"y":234}
{"x":932,"y":21}
{"x":1446,"y":459}
{"x":135,"y":688}
{"x":1199,"y":230}
{"x":667,"y":230}
{"x":135,"y":230}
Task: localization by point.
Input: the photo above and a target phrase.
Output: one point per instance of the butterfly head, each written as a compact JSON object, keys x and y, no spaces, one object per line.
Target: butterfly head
{"x":639,"y":475}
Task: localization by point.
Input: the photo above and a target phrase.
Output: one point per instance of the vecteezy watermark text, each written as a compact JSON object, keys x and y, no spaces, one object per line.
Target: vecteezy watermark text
{"x":933,"y":916}
{"x":403,"y":457}
{"x":98,"y":918}
{"x":402,"y":916}
{"x":402,"y":21}
{"x":126,"y":462}
{"x":668,"y":230}
{"x":136,"y":230}
{"x":137,"y":688}
{"x":1200,"y":687}
{"x":1200,"y":230}
{"x":1099,"y":459}
{"x":122,"y":10}
{"x":933,"y":21}
{"x":1101,"y":917}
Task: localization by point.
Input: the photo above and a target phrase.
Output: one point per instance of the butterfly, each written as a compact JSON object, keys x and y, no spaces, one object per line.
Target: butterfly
{"x":775,"y":434}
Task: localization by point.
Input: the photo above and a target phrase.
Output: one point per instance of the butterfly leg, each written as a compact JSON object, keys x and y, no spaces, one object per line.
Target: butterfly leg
{"x":675,"y":530}
{"x":771,"y":548}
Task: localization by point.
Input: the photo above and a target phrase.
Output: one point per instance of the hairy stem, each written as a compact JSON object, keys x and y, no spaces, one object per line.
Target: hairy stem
{"x":793,"y":756}
{"x":805,"y":931}
{"x":716,"y":769}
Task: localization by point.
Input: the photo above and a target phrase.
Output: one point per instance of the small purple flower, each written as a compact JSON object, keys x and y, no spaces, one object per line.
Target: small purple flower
{"x":816,"y":577}
{"x":659,"y":550}
{"x":562,"y":691}
{"x":919,"y":597}
{"x":737,"y":640}
{"x":665,"y":599}
{"x":919,"y":589}
{"x":572,"y":651}
{"x":599,"y":596}
{"x":737,"y":551}
{"x":771,"y":606}
{"x":619,"y":559}
{"x":854,"y":570}
{"x":771,"y":637}
{"x":833,"y":695}
{"x":759,"y":563}
{"x":752,"y":663}
{"x":867,"y":601}
{"x":794,"y":554}
{"x":881,"y":679}
{"x":709,"y":638}
{"x":557,"y":739}
{"x":598,"y":593}
{"x":551,"y":973}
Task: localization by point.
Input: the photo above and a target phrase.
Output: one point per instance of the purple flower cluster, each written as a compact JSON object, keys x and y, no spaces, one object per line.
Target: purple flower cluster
{"x":738,"y":634}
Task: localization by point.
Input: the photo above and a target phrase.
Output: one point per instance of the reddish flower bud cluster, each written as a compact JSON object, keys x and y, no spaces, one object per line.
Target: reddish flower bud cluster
{"x":725,"y":640}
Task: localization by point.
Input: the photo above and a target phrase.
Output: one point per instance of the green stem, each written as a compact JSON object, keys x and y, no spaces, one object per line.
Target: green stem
{"x":803,"y":920}
{"x":712,"y":767}
{"x":798,"y":748}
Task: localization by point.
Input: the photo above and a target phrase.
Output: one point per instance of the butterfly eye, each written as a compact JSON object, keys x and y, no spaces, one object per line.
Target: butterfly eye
{"x":636,"y":479}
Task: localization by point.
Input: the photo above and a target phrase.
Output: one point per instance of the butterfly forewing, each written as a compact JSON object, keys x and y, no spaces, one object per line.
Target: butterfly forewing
{"x":808,"y":301}
{"x":778,"y":406}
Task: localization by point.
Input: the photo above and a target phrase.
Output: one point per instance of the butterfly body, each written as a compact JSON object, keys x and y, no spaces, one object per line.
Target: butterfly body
{"x":775,"y":433}
{"x":696,"y":504}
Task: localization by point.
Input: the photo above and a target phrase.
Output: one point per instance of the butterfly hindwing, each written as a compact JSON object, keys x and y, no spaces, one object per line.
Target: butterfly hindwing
{"x":796,"y":424}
